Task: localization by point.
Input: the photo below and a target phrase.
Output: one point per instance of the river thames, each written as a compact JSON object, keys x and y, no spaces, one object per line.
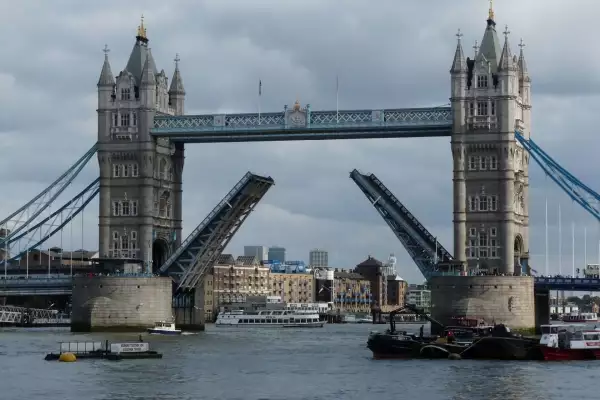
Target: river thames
{"x":228,"y":364}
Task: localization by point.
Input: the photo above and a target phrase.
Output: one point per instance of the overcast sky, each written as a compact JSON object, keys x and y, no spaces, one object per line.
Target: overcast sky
{"x":387,"y":54}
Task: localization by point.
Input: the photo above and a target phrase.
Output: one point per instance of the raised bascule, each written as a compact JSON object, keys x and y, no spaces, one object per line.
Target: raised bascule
{"x":142,"y":130}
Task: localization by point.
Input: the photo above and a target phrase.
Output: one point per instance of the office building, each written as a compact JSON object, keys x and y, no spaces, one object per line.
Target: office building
{"x":277,"y":254}
{"x":260,"y":252}
{"x":318,"y":258}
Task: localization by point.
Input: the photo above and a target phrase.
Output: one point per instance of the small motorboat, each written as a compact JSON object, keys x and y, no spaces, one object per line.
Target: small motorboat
{"x":164,"y":328}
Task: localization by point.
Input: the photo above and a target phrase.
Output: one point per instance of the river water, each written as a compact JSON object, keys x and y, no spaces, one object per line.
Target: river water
{"x":254,"y":364}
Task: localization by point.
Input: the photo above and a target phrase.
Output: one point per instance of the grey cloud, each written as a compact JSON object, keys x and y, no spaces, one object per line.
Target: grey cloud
{"x":386,"y":56}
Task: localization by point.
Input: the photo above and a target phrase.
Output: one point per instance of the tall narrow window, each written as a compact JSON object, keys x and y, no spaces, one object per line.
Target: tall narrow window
{"x":482,"y":81}
{"x":134,"y":170}
{"x":125,"y":119}
{"x":125,"y":171}
{"x":473,"y":163}
{"x":471,"y":109}
{"x":483,"y":245}
{"x":482,"y":108}
{"x":472,"y":203}
{"x":134,"y":115}
{"x":134,"y":208}
{"x":472,"y":250}
{"x":493,"y":163}
{"x":125,"y":207}
{"x":493,"y":108}
{"x":116,"y":170}
{"x":493,"y":203}
{"x":125,"y":93}
{"x":483,"y":206}
{"x":493,"y":248}
{"x":116,"y":119}
{"x":484,"y":163}
{"x":116,"y":208}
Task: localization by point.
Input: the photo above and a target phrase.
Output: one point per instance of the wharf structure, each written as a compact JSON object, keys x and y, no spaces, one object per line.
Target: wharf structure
{"x":142,"y":133}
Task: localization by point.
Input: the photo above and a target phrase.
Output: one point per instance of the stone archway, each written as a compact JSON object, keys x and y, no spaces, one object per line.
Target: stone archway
{"x":160,"y":252}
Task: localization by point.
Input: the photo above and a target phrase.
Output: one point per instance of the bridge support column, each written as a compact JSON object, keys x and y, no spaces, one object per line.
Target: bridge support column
{"x":188,"y":309}
{"x":493,"y":299}
{"x":119,"y":304}
{"x":542,"y":308}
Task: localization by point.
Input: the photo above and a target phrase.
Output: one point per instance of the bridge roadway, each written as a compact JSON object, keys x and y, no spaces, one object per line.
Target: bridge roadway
{"x":63,"y":285}
{"x":301,"y":123}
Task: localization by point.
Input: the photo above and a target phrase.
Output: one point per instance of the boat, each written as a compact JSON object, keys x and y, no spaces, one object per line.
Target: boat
{"x":568,"y":342}
{"x":270,"y":319}
{"x":104,"y":350}
{"x":164,"y":328}
{"x":587,"y":318}
{"x":480,"y":342}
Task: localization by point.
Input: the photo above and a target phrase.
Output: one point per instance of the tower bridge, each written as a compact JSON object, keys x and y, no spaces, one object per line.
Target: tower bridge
{"x":142,"y":132}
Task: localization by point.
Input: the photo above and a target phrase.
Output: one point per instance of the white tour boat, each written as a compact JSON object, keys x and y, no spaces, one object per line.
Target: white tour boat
{"x":586,"y":317}
{"x":164,"y":328}
{"x":270,"y":318}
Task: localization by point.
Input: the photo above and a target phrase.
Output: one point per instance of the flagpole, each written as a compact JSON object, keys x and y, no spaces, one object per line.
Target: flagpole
{"x":259,"y":98}
{"x":337,"y":99}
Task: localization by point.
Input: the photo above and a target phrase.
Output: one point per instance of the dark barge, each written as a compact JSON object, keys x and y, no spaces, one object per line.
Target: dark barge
{"x":482,"y":342}
{"x":104,"y":350}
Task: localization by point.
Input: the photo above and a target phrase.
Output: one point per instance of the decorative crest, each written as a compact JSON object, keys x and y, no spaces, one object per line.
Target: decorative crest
{"x":176,"y":59}
{"x":459,"y":35}
{"x":506,"y":31}
{"x":476,"y":48}
{"x":491,"y":11}
{"x":297,"y":105}
{"x":521,"y":44}
{"x":106,"y":50}
{"x":141,"y":32}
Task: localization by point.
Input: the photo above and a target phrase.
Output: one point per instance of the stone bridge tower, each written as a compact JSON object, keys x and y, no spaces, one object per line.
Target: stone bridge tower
{"x":140,"y":177}
{"x":491,"y":98}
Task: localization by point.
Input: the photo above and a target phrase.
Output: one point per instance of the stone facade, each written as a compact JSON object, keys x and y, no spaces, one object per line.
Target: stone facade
{"x":104,"y":303}
{"x":140,"y":177}
{"x":501,"y":299}
{"x":490,"y":99}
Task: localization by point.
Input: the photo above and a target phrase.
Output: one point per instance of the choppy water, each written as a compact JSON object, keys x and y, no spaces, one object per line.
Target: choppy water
{"x":315,"y":364}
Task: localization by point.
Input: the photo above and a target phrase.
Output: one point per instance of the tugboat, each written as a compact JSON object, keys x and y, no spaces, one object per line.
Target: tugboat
{"x":490,"y":343}
{"x":164,"y":328}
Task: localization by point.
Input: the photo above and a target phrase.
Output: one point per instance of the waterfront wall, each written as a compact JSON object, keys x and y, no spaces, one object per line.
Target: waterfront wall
{"x":501,"y":299}
{"x":104,"y":303}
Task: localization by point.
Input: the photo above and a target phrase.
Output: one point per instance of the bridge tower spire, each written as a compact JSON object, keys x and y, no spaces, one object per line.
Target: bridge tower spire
{"x":140,"y":177}
{"x":490,"y":100}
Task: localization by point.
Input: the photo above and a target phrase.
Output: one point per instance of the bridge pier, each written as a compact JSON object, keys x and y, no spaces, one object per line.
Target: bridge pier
{"x":188,"y":309}
{"x":119,"y":304}
{"x":507,"y":300}
{"x":542,"y":308}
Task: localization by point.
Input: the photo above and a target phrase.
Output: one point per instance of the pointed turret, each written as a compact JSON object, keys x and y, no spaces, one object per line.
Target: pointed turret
{"x":176,"y":91}
{"x":490,"y":46}
{"x":523,"y":72}
{"x":106,"y":75}
{"x":139,"y":54}
{"x":177,"y":81}
{"x":148,"y":78}
{"x":459,"y":63}
{"x":506,"y":58}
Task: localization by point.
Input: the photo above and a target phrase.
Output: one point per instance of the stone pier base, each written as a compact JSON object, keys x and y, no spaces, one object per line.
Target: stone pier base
{"x":120,"y":304}
{"x":505,"y":300}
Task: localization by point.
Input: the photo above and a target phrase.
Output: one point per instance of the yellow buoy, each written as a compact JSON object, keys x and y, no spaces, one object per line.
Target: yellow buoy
{"x":67,"y":357}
